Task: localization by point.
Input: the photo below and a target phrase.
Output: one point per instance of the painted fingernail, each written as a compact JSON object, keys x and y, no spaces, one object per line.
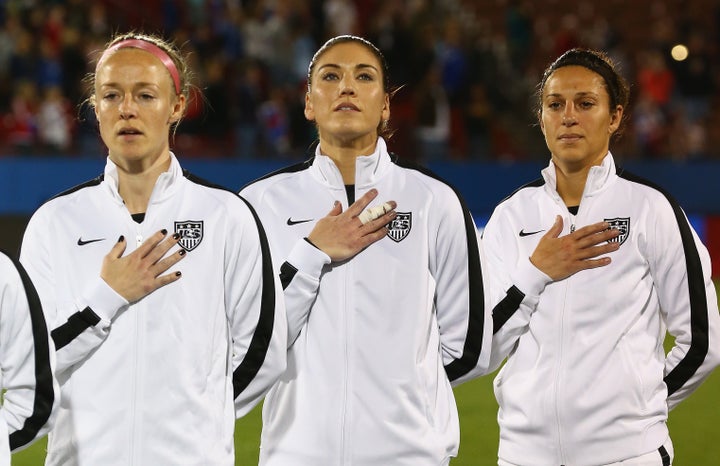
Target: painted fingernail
{"x":121,"y":239}
{"x":163,"y":231}
{"x":182,"y":252}
{"x":176,"y":236}
{"x":177,"y":274}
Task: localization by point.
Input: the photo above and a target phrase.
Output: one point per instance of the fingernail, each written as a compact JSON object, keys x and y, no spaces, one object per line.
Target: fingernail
{"x":177,"y":274}
{"x":121,"y":239}
{"x":163,"y":231}
{"x":176,"y":236}
{"x":182,"y":252}
{"x":336,"y":203}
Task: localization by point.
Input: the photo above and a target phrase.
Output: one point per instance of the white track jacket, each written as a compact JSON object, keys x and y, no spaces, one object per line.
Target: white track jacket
{"x":27,"y":360}
{"x":159,"y":381}
{"x":587,"y":381}
{"x":378,"y":339}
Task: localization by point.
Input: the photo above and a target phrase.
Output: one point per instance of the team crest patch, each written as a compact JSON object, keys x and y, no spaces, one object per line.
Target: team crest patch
{"x":621,"y":224}
{"x":399,"y":227}
{"x":191,"y":233}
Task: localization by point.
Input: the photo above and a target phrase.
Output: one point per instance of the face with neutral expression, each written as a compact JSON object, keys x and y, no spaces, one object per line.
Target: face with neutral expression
{"x":576,"y":117}
{"x":135,"y":105}
{"x":346,"y":99}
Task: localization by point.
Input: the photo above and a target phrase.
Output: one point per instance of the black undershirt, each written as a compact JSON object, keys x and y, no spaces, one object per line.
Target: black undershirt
{"x":574,"y":209}
{"x":138,"y":217}
{"x":350,"y":190}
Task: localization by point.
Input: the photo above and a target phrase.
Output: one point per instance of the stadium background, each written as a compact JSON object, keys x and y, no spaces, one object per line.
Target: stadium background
{"x":467,"y":70}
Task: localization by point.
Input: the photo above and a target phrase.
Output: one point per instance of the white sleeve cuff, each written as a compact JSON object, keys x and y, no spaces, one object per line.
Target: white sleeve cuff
{"x":530,"y":280}
{"x":308,"y":259}
{"x":103,"y":300}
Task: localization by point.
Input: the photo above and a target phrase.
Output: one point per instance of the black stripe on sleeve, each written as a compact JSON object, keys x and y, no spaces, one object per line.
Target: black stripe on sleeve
{"x":476,"y":314}
{"x":75,"y":325}
{"x":287,"y":273}
{"x":44,"y":393}
{"x":260,"y":342}
{"x":255,"y":356}
{"x":699,"y":343}
{"x":664,"y":455}
{"x":507,"y":307}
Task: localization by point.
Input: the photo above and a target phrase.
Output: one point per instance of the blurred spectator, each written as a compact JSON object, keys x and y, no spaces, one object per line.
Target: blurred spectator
{"x":649,"y":122}
{"x":432,"y":126}
{"x":519,"y":33}
{"x":478,"y":121}
{"x":655,"y":80}
{"x":341,"y":17}
{"x":49,"y":68}
{"x":274,"y":124}
{"x":246,"y":94}
{"x":20,"y":122}
{"x":54,"y":121}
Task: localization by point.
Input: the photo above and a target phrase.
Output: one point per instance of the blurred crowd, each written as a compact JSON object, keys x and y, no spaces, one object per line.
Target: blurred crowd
{"x":465,"y":71}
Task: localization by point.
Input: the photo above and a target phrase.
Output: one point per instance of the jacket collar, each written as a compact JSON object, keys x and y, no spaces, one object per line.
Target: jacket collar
{"x":368,"y":168}
{"x":598,"y":176}
{"x":164,"y":186}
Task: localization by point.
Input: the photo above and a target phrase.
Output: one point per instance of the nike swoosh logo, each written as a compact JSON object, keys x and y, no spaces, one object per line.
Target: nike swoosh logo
{"x":528,"y":233}
{"x":292,"y":222}
{"x":82,"y":242}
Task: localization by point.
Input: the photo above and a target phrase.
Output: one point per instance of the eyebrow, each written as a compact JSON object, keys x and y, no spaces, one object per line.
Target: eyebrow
{"x":578,"y":94}
{"x":358,"y":66}
{"x":136,"y":85}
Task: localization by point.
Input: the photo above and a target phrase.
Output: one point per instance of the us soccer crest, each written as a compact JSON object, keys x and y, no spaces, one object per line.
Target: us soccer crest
{"x":191,"y":233}
{"x":399,"y":227}
{"x":621,"y":224}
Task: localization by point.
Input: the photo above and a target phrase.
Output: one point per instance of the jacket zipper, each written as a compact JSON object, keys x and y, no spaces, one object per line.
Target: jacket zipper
{"x":136,"y":434}
{"x":346,"y":371}
{"x":561,"y":352}
{"x":558,"y":377}
{"x":561,"y":452}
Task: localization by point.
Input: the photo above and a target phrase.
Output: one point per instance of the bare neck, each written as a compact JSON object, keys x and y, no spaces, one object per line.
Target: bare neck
{"x":345,"y":156}
{"x":136,"y":183}
{"x":570,"y":186}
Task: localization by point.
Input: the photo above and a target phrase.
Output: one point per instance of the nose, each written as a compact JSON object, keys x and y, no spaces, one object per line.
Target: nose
{"x":568,"y":116}
{"x":127,"y":107}
{"x":347,"y":86}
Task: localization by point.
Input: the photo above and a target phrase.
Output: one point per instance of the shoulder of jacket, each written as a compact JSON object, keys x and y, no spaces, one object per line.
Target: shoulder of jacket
{"x":277,"y":175}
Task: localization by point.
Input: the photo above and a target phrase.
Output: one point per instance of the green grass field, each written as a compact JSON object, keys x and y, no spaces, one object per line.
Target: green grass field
{"x":694,"y":427}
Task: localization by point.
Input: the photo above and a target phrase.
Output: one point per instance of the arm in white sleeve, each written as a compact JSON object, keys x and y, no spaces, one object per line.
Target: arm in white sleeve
{"x":77,"y":328}
{"x":680,"y":265}
{"x":464,"y":322}
{"x":255,"y":310}
{"x":514,"y":286}
{"x":300,"y":277}
{"x":27,"y":359}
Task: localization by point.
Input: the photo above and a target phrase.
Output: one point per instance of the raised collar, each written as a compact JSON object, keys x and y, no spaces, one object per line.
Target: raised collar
{"x":368,"y":168}
{"x":164,"y":186}
{"x":598,"y":176}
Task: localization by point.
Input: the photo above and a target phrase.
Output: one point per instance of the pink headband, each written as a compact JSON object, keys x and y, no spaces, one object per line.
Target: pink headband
{"x":149,"y":47}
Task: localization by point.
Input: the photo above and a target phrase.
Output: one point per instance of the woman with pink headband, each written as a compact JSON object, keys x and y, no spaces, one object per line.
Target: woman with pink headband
{"x":166,"y":314}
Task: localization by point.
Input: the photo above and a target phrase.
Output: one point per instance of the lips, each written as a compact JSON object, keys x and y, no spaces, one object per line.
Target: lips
{"x":346,"y":106}
{"x":570,"y":137}
{"x":129,"y":131}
